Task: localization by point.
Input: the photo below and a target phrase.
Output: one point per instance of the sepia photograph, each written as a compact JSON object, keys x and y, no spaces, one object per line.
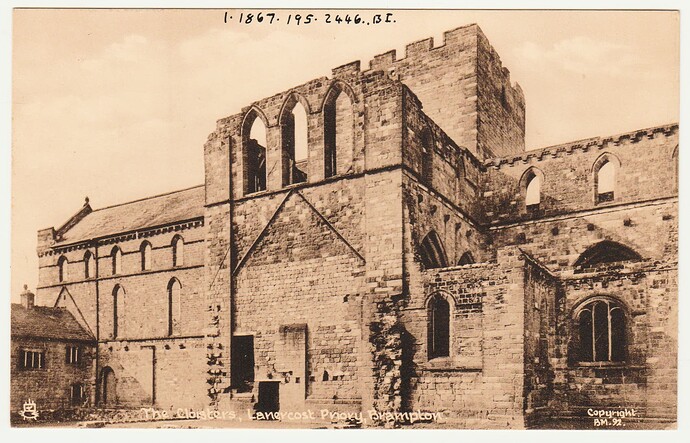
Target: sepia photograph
{"x":344,"y":219}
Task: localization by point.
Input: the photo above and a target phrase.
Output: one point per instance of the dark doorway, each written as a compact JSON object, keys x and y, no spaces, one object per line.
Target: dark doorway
{"x":242,"y":363}
{"x":108,"y":387}
{"x":269,"y":399}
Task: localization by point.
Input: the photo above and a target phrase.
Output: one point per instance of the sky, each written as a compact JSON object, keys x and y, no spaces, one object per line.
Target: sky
{"x":117,"y":104}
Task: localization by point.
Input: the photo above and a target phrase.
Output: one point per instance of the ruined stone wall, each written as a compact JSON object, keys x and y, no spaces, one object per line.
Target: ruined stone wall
{"x":481,"y":384}
{"x":451,"y":172}
{"x":459,"y":82}
{"x":164,"y":373}
{"x":648,"y":170}
{"x":49,"y":387}
{"x":647,"y":378}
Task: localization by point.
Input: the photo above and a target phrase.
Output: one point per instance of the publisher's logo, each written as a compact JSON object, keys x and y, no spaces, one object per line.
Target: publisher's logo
{"x":29,"y":411}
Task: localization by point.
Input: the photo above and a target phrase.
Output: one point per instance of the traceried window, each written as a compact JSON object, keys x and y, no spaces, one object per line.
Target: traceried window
{"x":145,"y":251}
{"x":32,"y":359}
{"x":116,"y":256}
{"x":439,"y":315}
{"x":601,"y":328}
{"x":62,"y":269}
{"x":178,"y":251}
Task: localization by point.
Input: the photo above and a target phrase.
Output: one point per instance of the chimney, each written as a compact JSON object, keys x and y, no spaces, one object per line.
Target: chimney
{"x":27,"y":298}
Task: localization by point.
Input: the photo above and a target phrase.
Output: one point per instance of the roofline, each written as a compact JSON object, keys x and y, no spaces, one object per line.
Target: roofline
{"x":149,"y":198}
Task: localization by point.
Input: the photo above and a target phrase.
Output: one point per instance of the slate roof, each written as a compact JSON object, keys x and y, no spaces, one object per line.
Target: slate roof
{"x":145,"y":213}
{"x":46,"y":322}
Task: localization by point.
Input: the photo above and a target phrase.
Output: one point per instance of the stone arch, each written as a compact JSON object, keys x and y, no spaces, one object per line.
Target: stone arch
{"x":118,"y":311}
{"x":605,"y":171}
{"x":254,"y":153}
{"x":116,"y":260}
{"x":145,"y":250}
{"x":600,"y":330}
{"x":62,"y":268}
{"x":431,"y":251}
{"x":294,"y":140}
{"x":466,"y":259}
{"x":177,"y":245}
{"x":606,"y":251}
{"x":440,"y":307}
{"x":108,"y":387}
{"x":531,"y":183}
{"x":338,"y":129}
{"x":174,"y":306}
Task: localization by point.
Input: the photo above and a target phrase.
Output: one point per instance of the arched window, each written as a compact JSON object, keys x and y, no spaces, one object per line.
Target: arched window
{"x":118,"y":311}
{"x":116,"y":255}
{"x":605,"y":170}
{"x":145,"y":251}
{"x":338,"y":126}
{"x":89,"y":265}
{"x":533,"y":193}
{"x":427,"y":171}
{"x":432,"y":253}
{"x":466,"y":259}
{"x":178,"y":251}
{"x":605,"y":252}
{"x":174,"y":308}
{"x":294,"y":136}
{"x":62,"y":269}
{"x":254,"y":143}
{"x":439,"y":315}
{"x":601,"y":331}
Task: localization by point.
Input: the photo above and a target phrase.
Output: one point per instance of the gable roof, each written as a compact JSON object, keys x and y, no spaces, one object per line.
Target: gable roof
{"x":149,"y":212}
{"x":46,"y":322}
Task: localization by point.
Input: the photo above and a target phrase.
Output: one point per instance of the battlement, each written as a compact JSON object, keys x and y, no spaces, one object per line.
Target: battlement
{"x":583,"y":145}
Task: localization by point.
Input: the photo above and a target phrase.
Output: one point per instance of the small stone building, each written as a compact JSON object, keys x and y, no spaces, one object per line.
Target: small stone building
{"x":380,"y":240}
{"x":52,"y":358}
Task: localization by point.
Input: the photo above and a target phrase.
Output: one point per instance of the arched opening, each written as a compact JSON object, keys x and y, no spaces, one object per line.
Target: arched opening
{"x":294,"y":136}
{"x":62,"y":268}
{"x":145,"y":251}
{"x":254,"y":153}
{"x":108,"y":392}
{"x":674,"y":159}
{"x":466,"y":259}
{"x":338,"y":115}
{"x":118,"y":311}
{"x":174,"y":308}
{"x":432,"y":252}
{"x":89,"y":265}
{"x":605,"y":172}
{"x":439,"y":315}
{"x":178,"y":251}
{"x":605,"y":252}
{"x":533,"y":193}
{"x":601,"y":330}
{"x":116,"y":256}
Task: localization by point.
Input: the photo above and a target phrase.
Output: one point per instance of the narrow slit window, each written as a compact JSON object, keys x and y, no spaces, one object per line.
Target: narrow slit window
{"x":439,"y":327}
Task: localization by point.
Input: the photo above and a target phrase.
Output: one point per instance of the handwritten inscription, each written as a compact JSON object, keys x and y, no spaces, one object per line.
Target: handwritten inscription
{"x":274,"y":18}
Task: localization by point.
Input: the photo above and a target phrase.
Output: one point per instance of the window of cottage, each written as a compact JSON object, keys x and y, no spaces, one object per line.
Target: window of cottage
{"x":29,"y":359}
{"x":73,"y":355}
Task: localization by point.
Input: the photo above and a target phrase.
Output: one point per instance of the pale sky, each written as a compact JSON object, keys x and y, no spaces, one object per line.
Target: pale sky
{"x":116,"y":105}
